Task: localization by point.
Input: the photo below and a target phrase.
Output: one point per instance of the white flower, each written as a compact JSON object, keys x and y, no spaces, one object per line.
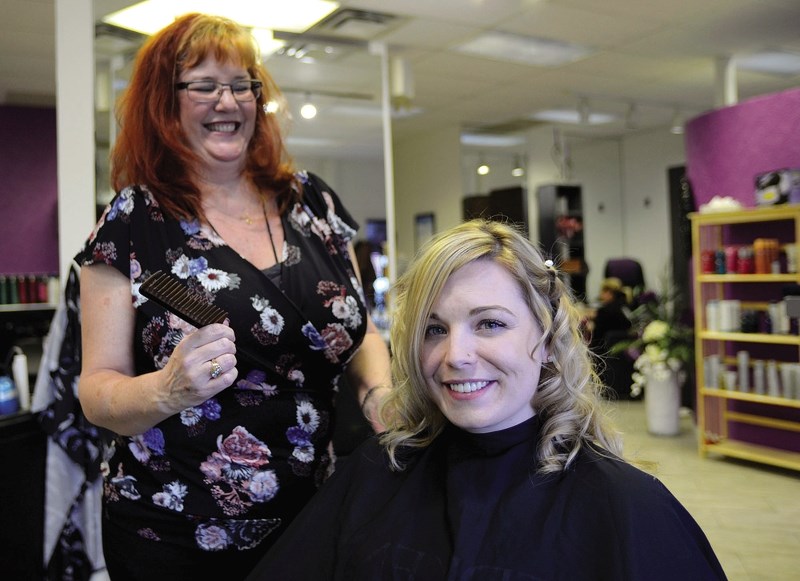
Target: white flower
{"x":259,"y":303}
{"x":213,"y":279}
{"x":272,"y":321}
{"x":304,"y":453}
{"x":297,"y":376}
{"x":346,"y":309}
{"x":307,"y":417}
{"x":655,"y":353}
{"x":171,"y":497}
{"x":191,"y":416}
{"x":655,"y":331}
{"x":182,"y":267}
{"x":263,"y":486}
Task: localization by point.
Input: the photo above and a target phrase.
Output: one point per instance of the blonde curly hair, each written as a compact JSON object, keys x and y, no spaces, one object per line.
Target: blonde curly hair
{"x":568,"y":395}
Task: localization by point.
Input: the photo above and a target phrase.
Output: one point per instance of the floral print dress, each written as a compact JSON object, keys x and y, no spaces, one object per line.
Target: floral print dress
{"x":228,"y":473}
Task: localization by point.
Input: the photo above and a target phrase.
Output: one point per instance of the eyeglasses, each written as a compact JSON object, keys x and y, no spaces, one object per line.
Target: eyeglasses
{"x":211,"y":91}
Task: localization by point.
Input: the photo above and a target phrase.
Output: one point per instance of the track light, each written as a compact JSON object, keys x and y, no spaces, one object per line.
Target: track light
{"x":308,"y":110}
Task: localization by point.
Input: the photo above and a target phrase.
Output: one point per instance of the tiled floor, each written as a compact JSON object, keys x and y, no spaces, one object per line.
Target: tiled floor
{"x":750,"y":512}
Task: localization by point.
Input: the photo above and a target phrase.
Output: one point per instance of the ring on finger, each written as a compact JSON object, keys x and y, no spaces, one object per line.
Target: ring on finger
{"x":216,"y":369}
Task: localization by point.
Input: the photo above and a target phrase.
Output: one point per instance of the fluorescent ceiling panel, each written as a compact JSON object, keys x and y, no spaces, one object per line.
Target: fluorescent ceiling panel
{"x":524,"y":49}
{"x":572,"y":116}
{"x":773,"y":62}
{"x":487,"y":140}
{"x":286,"y":15}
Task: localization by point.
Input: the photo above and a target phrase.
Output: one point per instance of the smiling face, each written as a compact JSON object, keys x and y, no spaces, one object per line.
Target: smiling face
{"x":479,"y":356}
{"x":219,"y":131}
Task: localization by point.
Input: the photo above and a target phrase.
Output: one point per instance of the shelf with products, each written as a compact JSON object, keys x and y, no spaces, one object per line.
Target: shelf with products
{"x":748,"y":392}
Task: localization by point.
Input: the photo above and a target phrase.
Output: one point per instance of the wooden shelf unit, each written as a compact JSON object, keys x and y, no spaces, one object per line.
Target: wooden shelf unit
{"x":722,"y":413}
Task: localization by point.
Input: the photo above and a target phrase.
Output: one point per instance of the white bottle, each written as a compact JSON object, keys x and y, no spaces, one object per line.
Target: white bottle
{"x":19,"y":370}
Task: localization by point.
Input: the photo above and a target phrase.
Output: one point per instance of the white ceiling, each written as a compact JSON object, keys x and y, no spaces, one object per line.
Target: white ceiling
{"x":657,"y":54}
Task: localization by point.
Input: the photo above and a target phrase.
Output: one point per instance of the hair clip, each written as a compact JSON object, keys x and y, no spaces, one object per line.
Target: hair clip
{"x":548,"y":263}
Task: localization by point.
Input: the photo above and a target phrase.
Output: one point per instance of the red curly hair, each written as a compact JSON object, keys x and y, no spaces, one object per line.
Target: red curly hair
{"x":151,"y":148}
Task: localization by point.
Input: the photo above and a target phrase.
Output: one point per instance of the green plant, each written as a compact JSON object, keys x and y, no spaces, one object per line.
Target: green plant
{"x":659,"y":343}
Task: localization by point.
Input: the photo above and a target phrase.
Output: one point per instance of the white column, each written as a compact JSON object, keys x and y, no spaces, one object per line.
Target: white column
{"x":75,"y":125}
{"x":382,"y":50}
{"x":725,"y":89}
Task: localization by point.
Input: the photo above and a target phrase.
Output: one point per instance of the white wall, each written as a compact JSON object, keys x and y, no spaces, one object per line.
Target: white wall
{"x":427,"y":176}
{"x":597,"y":168}
{"x":645,"y":219}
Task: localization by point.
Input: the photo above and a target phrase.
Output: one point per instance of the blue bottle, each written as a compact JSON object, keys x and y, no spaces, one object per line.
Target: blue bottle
{"x":9,"y":402}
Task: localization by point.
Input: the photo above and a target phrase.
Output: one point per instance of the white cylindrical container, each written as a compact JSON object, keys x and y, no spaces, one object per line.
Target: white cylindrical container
{"x":758,"y":377}
{"x":743,"y":366}
{"x":795,"y":381}
{"x":711,"y":370}
{"x":726,"y":320}
{"x":791,"y":257}
{"x":787,"y":380}
{"x":712,"y":315}
{"x":53,"y":286}
{"x":773,"y":386}
{"x":19,"y":370}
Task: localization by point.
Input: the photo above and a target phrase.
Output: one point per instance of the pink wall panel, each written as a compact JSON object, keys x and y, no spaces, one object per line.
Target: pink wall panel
{"x":728,"y":147}
{"x":28,"y":191}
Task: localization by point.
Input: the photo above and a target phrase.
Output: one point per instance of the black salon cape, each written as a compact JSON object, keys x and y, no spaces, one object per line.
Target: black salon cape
{"x":469,"y":508}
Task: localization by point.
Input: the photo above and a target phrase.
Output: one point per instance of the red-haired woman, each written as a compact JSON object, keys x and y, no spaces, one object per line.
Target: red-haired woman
{"x":220,"y":434}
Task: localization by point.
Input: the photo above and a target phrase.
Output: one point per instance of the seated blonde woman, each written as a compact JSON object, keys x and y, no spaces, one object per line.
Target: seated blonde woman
{"x":497,"y":462}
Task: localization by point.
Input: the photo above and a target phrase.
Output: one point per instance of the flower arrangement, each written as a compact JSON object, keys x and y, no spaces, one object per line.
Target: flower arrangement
{"x":660,"y":343}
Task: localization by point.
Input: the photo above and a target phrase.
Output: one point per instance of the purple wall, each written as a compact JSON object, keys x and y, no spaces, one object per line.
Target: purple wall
{"x":28,"y":191}
{"x":727,"y":148}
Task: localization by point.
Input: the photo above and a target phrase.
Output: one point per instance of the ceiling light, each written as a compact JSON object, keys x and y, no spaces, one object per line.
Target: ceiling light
{"x":676,"y":126}
{"x":401,"y":83}
{"x":483,"y":167}
{"x":572,"y":116}
{"x":296,"y":16}
{"x":488,"y":140}
{"x":517,"y":171}
{"x":777,"y":62}
{"x":524,"y":49}
{"x":271,"y":107}
{"x":308,"y":110}
{"x":267,"y":43}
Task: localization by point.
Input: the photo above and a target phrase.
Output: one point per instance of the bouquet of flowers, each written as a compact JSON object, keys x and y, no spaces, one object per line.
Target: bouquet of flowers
{"x":660,"y":343}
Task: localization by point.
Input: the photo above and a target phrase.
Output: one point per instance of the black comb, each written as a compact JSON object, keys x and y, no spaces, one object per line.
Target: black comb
{"x":176,"y":297}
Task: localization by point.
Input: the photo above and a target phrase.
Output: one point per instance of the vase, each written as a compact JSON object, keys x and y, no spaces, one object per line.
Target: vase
{"x":662,"y":403}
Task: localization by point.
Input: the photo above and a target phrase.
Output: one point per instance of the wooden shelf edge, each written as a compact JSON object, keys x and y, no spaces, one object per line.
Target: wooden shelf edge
{"x":762,"y":278}
{"x":755,"y":453}
{"x":774,"y":339}
{"x":751,"y":397}
{"x":27,"y":307}
{"x":744,"y":215}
